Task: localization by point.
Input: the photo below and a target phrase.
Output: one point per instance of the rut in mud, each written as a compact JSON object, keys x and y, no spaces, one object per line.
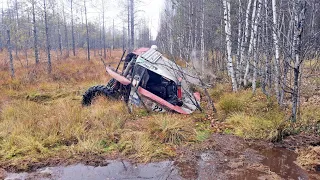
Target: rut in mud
{"x":222,"y":157}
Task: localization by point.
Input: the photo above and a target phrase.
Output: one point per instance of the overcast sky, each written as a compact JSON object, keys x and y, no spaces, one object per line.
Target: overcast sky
{"x":148,"y":9}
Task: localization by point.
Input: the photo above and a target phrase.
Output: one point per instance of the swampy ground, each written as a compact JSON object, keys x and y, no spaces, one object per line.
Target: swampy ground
{"x":44,"y":128}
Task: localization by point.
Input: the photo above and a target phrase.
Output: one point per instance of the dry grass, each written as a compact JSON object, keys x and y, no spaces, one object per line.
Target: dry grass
{"x":172,"y":128}
{"x":309,"y":158}
{"x":249,"y":116}
{"x":42,"y":118}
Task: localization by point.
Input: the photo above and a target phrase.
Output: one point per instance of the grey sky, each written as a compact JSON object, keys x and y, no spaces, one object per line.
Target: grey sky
{"x":148,"y":9}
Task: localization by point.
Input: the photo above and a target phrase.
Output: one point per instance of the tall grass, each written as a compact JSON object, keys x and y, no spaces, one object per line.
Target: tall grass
{"x":42,"y":117}
{"x":251,"y":116}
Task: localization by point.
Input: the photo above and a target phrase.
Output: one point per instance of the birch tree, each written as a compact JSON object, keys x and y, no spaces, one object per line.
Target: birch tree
{"x":244,"y":42}
{"x":255,"y":37}
{"x":9,"y":47}
{"x":276,"y":48}
{"x":87,"y":30}
{"x":132,"y":24}
{"x":251,"y":44}
{"x":72,"y":30}
{"x":35,"y":34}
{"x":202,"y":38}
{"x":226,"y":6}
{"x":299,"y":17}
{"x":48,"y":48}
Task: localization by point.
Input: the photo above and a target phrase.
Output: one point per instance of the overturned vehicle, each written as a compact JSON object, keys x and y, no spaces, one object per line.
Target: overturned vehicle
{"x":151,"y":81}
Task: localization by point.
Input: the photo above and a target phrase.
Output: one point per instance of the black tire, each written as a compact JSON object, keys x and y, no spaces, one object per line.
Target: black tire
{"x":95,"y":91}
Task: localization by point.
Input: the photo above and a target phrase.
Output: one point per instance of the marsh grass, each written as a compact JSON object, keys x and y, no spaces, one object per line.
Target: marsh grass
{"x":250,"y":116}
{"x":42,"y":118}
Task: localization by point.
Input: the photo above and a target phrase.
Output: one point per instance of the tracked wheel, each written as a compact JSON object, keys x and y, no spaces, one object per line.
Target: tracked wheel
{"x":96,"y":91}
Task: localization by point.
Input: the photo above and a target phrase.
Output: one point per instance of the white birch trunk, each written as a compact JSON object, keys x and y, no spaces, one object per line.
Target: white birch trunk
{"x":300,"y":9}
{"x":226,"y":6}
{"x":245,"y":78}
{"x":255,"y":60}
{"x":276,"y":47}
{"x":239,"y":42}
{"x":202,"y":40}
{"x":244,"y":41}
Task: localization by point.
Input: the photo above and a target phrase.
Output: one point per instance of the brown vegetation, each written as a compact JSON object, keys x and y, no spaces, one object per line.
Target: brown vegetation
{"x":42,"y":121}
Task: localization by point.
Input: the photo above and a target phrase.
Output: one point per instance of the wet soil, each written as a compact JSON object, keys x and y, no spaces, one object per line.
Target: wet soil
{"x":220,"y":157}
{"x":234,"y":158}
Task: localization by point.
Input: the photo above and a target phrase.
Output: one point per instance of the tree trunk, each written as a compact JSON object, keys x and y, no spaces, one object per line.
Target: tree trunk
{"x":255,"y":37}
{"x":72,"y":31}
{"x":202,"y":40}
{"x":65,"y":32}
{"x":276,"y":47}
{"x":238,"y":69}
{"x":59,"y":37}
{"x":104,"y":33}
{"x":132,"y":24}
{"x":35,"y":35}
{"x":17,"y":28}
{"x":128,"y":42}
{"x":47,"y":37}
{"x":10,"y":54}
{"x":244,"y":42}
{"x":87,"y":28}
{"x":300,"y":9}
{"x":226,"y":6}
{"x":251,"y":44}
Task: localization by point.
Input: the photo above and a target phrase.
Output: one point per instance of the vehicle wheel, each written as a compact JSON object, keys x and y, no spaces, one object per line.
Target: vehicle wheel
{"x":95,"y":91}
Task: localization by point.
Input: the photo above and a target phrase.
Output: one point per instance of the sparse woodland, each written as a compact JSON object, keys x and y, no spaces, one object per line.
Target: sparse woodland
{"x":59,"y":28}
{"x":259,"y":58}
{"x":259,"y":43}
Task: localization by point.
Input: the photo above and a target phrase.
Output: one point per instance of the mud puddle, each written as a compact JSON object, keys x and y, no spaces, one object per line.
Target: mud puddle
{"x":221,"y":157}
{"x":234,"y":158}
{"x":113,"y":171}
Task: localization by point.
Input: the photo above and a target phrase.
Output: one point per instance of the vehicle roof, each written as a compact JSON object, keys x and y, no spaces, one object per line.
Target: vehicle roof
{"x":140,"y":51}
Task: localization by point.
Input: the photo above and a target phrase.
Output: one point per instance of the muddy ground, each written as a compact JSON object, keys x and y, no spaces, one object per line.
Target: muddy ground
{"x":220,"y":157}
{"x":230,"y":157}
